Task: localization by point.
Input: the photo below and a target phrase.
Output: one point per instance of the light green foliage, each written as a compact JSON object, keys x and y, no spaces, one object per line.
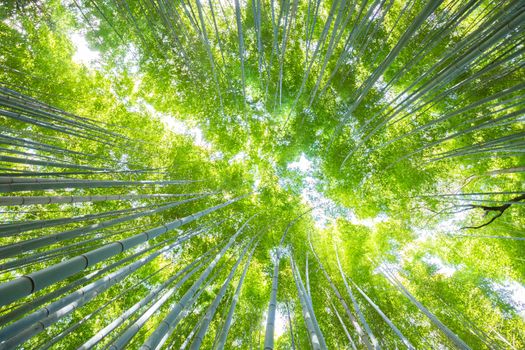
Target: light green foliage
{"x":344,"y":123}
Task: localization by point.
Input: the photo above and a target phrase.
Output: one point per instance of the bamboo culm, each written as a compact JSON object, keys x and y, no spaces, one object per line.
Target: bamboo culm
{"x":170,"y":321}
{"x":28,"y":284}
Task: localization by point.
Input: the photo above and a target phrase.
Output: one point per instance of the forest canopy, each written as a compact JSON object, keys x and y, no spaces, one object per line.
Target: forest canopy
{"x":262,"y":174}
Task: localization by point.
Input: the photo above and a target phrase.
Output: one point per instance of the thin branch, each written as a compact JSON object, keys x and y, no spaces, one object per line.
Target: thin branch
{"x":501,"y":209}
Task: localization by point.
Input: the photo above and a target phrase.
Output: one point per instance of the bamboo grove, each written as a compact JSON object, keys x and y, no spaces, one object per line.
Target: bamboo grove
{"x":261,"y":174}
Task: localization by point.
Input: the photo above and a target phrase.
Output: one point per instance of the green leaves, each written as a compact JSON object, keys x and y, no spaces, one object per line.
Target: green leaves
{"x":411,"y":114}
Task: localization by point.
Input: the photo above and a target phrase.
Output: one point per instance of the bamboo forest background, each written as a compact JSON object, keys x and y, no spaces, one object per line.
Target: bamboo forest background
{"x":262,"y":174}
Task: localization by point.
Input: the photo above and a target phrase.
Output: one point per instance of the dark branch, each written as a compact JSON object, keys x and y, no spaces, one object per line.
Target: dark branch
{"x":497,"y":208}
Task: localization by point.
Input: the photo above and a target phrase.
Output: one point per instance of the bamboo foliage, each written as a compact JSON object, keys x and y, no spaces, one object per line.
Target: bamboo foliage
{"x":133,"y":185}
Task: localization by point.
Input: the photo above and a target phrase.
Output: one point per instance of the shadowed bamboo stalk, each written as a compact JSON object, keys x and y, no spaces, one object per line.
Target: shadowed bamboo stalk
{"x":373,"y":339}
{"x":316,"y":336}
{"x":362,"y":336}
{"x":25,"y":307}
{"x":197,"y":341}
{"x":221,"y":341}
{"x":86,"y":318}
{"x":342,"y":323}
{"x":171,"y":320}
{"x":28,"y":284}
{"x":450,"y":335}
{"x":152,"y":295}
{"x":25,"y":184}
{"x":36,"y":322}
{"x":384,"y":317}
{"x":189,"y":305}
{"x":64,"y":250}
{"x":30,"y":244}
{"x":61,"y":308}
{"x":17,"y":160}
{"x":17,"y":227}
{"x":120,"y":341}
{"x":14,"y":228}
{"x":33,"y":200}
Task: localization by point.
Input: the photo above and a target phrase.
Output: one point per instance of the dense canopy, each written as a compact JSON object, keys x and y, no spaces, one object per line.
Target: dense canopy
{"x":262,"y":174}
